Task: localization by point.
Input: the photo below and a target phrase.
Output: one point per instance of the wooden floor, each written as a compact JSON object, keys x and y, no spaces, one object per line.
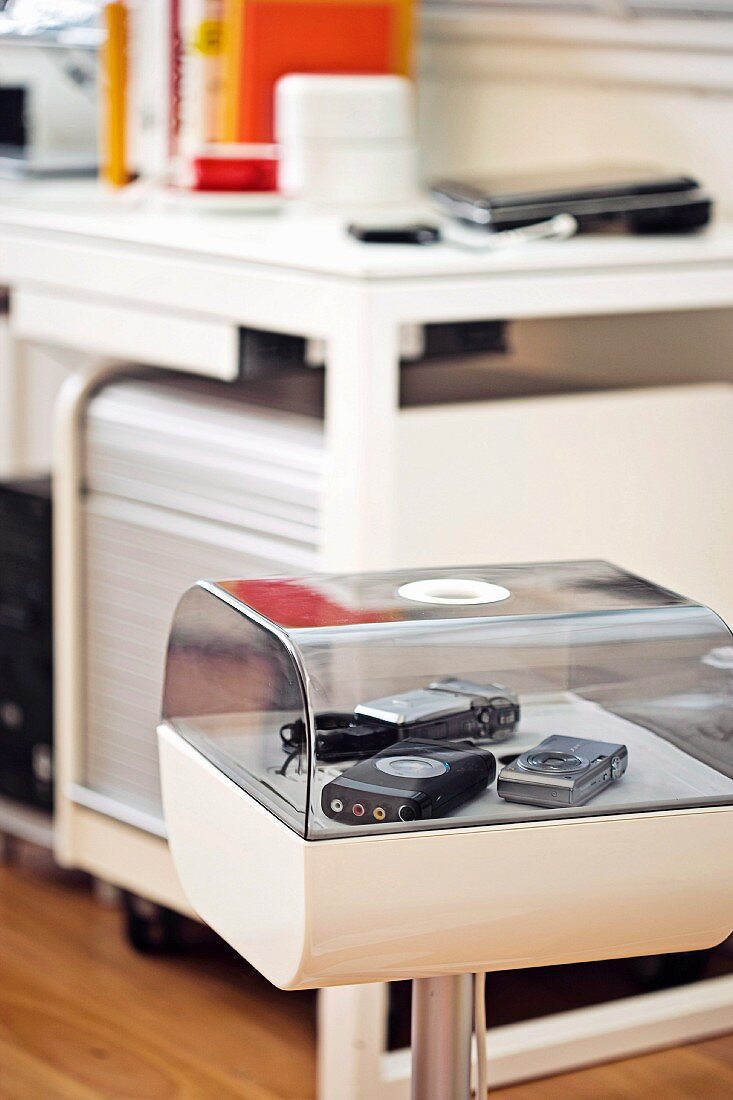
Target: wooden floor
{"x":83,"y":1017}
{"x":700,"y":1072}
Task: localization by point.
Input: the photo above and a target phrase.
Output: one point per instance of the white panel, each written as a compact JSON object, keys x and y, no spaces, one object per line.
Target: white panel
{"x":182,"y":485}
{"x":637,"y":477}
{"x":180,"y":341}
{"x":30,"y":379}
{"x":320,"y":921}
{"x":135,"y":577}
{"x":567,"y":1040}
{"x":690,"y":8}
{"x":44,"y":373}
{"x":679,"y":8}
{"x":208,"y":455}
{"x":583,"y":7}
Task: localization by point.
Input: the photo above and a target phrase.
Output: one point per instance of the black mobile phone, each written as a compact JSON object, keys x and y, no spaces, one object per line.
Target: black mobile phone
{"x":409,"y":781}
{"x":395,"y":234}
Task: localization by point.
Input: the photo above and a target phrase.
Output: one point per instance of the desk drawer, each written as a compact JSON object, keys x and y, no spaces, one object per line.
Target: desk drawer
{"x":181,"y":341}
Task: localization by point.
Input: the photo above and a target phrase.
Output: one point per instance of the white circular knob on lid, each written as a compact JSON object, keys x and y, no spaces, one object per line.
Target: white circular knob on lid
{"x":453,"y":590}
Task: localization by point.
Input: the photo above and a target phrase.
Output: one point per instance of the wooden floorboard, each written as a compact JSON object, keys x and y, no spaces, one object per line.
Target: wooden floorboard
{"x":83,"y":1017}
{"x":700,"y":1072}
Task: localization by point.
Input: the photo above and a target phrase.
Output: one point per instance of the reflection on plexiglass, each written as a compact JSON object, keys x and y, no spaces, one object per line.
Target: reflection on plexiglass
{"x":345,"y":708}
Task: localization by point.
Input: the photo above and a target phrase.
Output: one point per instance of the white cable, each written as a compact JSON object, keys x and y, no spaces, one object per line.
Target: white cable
{"x":479,"y":1027}
{"x":475,"y":239}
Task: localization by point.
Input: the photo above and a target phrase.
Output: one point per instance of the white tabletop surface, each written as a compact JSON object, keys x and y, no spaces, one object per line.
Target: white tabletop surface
{"x":318,"y":243}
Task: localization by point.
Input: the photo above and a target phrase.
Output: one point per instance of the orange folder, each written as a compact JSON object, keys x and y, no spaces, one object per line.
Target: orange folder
{"x":265,"y":39}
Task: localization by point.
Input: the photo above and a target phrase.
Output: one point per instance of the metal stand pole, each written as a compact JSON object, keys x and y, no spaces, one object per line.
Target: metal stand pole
{"x":442,"y":1019}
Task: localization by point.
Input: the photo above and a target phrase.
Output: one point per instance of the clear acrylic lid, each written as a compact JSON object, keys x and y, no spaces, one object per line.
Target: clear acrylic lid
{"x":431,"y":699}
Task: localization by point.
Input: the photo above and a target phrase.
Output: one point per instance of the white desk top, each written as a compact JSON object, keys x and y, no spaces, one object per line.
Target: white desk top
{"x":319,"y":244}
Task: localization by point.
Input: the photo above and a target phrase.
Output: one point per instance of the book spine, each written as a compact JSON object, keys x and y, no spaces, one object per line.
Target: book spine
{"x":200,"y":36}
{"x":115,"y":169}
{"x":175,"y":67}
{"x":149,"y":88}
{"x":233,"y":69}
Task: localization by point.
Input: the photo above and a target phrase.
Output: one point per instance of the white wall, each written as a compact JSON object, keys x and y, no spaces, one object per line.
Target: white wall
{"x":501,"y":91}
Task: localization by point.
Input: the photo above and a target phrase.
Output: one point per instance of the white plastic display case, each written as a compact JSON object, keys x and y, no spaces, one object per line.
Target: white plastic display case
{"x":309,"y":864}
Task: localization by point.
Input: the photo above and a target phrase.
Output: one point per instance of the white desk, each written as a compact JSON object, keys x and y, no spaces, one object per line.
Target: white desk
{"x":316,"y":243}
{"x":130,"y":281}
{"x":118,"y":280}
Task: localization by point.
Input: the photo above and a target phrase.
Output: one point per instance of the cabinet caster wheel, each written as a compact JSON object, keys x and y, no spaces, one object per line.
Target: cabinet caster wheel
{"x":151,"y":928}
{"x":8,"y":847}
{"x":668,"y":971}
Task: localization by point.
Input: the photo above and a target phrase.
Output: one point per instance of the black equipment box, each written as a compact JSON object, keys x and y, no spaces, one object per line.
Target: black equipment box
{"x":26,"y":665}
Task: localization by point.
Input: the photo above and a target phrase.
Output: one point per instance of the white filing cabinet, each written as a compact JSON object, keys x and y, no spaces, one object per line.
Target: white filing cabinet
{"x":181,"y":482}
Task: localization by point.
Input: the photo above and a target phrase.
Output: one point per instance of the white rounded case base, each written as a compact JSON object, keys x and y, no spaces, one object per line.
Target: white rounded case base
{"x":308,"y":914}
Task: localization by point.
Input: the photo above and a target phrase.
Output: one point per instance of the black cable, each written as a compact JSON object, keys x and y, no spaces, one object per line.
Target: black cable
{"x":284,"y":769}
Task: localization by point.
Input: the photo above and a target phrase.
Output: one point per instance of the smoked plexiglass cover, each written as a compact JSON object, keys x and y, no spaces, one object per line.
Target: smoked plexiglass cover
{"x":440,"y":699}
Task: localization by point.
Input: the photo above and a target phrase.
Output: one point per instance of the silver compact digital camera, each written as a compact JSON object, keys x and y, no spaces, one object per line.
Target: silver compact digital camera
{"x":447,"y":709}
{"x":562,"y":771}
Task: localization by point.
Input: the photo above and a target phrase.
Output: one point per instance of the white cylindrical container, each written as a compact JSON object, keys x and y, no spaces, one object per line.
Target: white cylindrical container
{"x":346,"y":140}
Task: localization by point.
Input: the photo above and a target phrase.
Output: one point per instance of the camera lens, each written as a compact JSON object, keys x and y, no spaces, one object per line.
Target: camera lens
{"x":412,"y":767}
{"x":553,"y":762}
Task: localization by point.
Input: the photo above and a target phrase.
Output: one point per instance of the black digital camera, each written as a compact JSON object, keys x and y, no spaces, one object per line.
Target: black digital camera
{"x":409,"y":781}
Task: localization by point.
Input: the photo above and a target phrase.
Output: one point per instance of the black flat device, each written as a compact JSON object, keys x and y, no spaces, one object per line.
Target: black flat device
{"x":395,"y":234}
{"x":629,"y":198}
{"x":409,"y":781}
{"x":26,"y":674}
